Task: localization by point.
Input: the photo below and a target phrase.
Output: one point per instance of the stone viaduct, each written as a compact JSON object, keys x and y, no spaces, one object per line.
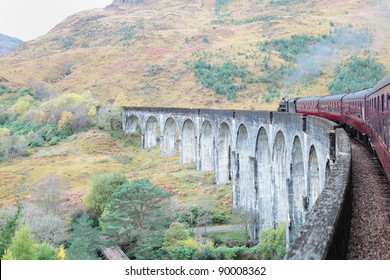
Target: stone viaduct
{"x":278,"y":163}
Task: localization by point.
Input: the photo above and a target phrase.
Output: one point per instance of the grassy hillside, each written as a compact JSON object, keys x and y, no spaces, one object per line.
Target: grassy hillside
{"x":134,"y":54}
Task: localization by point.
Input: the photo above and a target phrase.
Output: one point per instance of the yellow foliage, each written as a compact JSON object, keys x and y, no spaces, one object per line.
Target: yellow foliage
{"x":190,"y":243}
{"x":34,"y":115}
{"x":4,"y":131}
{"x":92,"y":111}
{"x":68,"y":98}
{"x":22,"y":105}
{"x":61,"y":253}
{"x":210,"y":244}
{"x":7,"y":255}
{"x":65,"y":120}
{"x":121,"y":100}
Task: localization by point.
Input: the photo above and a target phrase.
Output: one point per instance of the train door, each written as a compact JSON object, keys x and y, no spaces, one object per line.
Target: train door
{"x":388,"y":122}
{"x":383,"y":119}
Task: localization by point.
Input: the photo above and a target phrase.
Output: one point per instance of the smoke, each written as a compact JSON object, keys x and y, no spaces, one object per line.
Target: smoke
{"x":309,"y":64}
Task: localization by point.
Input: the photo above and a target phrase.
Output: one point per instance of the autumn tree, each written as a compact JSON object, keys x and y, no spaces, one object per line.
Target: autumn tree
{"x":136,"y":218}
{"x":47,"y":193}
{"x":102,"y":189}
{"x":45,"y":227}
{"x":44,"y":212}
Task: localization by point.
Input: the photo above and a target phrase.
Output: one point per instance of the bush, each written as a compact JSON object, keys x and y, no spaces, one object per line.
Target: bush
{"x":65,"y":124}
{"x":181,"y":253}
{"x":272,"y":242}
{"x":102,"y":189}
{"x":45,"y":252}
{"x":220,"y":219}
{"x":290,"y":48}
{"x":221,"y":78}
{"x":175,"y":233}
{"x":13,"y":146}
{"x":109,"y":118}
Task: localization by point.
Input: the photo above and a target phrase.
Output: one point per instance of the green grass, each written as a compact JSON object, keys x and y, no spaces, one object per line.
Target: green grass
{"x":229,"y":237}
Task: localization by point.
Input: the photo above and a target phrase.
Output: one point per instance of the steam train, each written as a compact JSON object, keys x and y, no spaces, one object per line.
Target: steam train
{"x":364,"y":114}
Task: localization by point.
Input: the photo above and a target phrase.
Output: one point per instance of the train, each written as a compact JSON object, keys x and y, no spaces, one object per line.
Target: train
{"x":364,"y":114}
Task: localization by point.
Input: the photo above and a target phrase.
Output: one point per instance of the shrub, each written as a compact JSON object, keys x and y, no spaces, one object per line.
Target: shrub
{"x":65,"y":124}
{"x":181,"y":253}
{"x":103,"y":187}
{"x":109,"y":118}
{"x":4,"y":131}
{"x":175,"y":233}
{"x":290,"y":48}
{"x":221,"y":78}
{"x":45,"y":252}
{"x":219,"y":219}
{"x":226,"y":253}
{"x":272,"y":242}
{"x":68,"y":42}
{"x":13,"y":146}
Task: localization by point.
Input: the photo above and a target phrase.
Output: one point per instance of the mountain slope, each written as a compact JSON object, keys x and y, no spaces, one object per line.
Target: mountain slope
{"x":137,"y":54}
{"x":8,"y":43}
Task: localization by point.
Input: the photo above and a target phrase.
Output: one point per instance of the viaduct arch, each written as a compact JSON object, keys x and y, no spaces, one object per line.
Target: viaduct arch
{"x":277,"y":162}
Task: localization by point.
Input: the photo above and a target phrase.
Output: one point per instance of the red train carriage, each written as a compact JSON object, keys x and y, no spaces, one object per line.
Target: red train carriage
{"x":366,"y":112}
{"x":330,"y":107}
{"x":307,"y":105}
{"x":354,"y":112}
{"x":378,"y":121}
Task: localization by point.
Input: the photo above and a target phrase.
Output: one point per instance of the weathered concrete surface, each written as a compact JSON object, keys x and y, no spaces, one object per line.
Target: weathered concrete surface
{"x":325,"y":233}
{"x":277,"y":162}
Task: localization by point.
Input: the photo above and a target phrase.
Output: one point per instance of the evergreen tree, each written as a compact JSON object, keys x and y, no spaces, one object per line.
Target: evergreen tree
{"x":7,"y":231}
{"x":22,"y":246}
{"x":135,"y":218}
{"x":85,"y":242}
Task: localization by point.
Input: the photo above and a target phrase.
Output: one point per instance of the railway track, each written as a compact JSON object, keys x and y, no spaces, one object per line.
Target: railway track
{"x":370,"y":224}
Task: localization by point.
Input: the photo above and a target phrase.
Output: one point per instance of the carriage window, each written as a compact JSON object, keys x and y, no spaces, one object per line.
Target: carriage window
{"x":388,"y":103}
{"x":377,"y":100}
{"x":383,"y":102}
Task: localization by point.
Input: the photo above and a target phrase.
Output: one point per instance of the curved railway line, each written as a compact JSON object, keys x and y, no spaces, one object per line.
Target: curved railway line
{"x":370,"y":223}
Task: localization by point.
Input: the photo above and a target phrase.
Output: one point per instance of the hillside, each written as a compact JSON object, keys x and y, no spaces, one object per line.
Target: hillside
{"x":8,"y":43}
{"x":180,"y":52}
{"x":58,"y":150}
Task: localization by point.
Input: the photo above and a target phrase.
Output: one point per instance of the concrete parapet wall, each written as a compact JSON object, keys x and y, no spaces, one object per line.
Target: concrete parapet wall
{"x":277,"y":163}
